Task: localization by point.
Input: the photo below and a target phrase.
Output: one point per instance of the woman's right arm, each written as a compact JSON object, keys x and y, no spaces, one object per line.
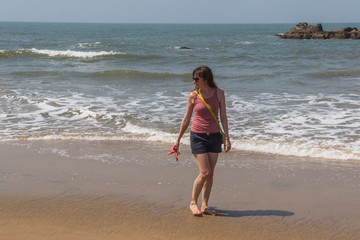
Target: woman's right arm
{"x":187,"y":118}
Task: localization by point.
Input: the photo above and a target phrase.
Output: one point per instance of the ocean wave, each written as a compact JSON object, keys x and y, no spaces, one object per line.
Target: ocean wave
{"x":314,"y":126}
{"x":110,"y":74}
{"x":297,"y":150}
{"x":74,"y":54}
{"x":133,"y":132}
{"x":88,"y":45}
{"x":335,"y":74}
{"x":130,"y":132}
{"x":142,"y":57}
{"x":35,"y":73}
{"x":59,"y":53}
{"x":10,"y":53}
{"x":69,"y":136}
{"x":45,"y":111}
{"x":245,"y":43}
{"x":324,"y":126}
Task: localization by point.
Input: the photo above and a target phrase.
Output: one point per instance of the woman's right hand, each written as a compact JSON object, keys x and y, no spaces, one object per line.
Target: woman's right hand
{"x":175,"y":149}
{"x":176,"y":145}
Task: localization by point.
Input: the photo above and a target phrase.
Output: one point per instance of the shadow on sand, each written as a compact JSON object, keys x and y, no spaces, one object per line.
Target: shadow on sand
{"x":248,"y":213}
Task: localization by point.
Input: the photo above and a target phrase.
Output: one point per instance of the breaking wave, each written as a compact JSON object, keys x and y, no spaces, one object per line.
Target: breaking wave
{"x":137,"y":74}
{"x":58,"y":53}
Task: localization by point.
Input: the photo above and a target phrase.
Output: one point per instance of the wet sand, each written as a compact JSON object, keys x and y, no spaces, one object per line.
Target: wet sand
{"x":59,"y":190}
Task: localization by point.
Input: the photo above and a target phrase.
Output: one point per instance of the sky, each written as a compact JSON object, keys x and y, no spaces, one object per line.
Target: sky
{"x":181,"y":11}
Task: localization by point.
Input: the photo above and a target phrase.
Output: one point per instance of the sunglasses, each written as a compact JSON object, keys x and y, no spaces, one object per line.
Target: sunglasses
{"x":196,"y":79}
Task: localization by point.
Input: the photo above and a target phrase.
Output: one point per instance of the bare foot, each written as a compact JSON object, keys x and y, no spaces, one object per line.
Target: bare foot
{"x":208,"y":211}
{"x":195,"y":210}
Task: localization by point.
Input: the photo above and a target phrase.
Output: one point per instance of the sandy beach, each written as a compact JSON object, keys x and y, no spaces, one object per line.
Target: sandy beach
{"x":50,"y":193}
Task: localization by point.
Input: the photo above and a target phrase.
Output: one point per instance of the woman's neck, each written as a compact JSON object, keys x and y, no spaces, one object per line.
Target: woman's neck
{"x":206,"y":91}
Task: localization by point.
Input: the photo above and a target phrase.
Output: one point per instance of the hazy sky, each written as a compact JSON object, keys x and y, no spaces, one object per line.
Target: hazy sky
{"x":181,"y":11}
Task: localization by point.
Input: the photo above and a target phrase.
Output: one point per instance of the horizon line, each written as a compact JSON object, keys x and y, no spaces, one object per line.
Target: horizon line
{"x":71,"y":22}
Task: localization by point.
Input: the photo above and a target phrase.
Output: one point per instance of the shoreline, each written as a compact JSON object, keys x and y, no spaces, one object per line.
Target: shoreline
{"x":45,"y":195}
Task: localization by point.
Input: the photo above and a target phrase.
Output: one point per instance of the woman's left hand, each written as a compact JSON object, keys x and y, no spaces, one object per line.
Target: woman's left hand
{"x":227,"y":145}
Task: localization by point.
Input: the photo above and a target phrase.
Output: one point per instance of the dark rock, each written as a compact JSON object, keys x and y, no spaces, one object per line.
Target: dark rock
{"x":306,"y":31}
{"x":187,"y":48}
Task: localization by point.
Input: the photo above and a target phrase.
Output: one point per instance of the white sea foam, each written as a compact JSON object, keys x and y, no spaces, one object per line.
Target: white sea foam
{"x":311,"y":125}
{"x":87,"y":45}
{"x":291,"y":129}
{"x":245,"y":43}
{"x":149,"y":134}
{"x":300,"y":150}
{"x":307,"y":126}
{"x":71,"y":53}
{"x":145,"y":134}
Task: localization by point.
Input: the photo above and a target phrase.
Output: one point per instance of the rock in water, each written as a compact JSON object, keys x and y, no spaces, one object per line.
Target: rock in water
{"x":306,"y":31}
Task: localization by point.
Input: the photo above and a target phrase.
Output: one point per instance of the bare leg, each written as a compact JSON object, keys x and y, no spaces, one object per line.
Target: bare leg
{"x":206,"y":190}
{"x":206,"y":163}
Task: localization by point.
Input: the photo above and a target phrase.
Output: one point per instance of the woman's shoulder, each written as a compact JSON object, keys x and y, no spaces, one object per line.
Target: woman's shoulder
{"x":220,"y":91}
{"x":220,"y":94}
{"x":192,"y":95}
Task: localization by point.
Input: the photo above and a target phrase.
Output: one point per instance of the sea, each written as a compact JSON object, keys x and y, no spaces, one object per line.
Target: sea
{"x":130,"y":82}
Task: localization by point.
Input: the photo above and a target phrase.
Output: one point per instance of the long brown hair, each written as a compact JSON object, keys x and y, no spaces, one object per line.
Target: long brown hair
{"x":205,"y":73}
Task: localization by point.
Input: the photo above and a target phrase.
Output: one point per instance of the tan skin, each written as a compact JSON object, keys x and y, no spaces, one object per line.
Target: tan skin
{"x":207,"y":161}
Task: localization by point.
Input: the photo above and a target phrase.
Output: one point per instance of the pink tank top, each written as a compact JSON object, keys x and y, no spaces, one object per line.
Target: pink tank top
{"x":204,"y":121}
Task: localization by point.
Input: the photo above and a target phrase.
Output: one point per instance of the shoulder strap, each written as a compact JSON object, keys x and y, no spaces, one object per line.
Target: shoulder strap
{"x":209,"y":110}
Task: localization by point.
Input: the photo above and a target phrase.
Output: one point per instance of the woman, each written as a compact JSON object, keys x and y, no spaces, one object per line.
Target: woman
{"x":205,"y":136}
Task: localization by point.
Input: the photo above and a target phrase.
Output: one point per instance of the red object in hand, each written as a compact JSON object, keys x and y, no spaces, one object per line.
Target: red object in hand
{"x":176,"y":151}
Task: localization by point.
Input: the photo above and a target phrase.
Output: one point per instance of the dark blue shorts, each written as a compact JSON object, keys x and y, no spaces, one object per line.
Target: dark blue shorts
{"x":203,"y":143}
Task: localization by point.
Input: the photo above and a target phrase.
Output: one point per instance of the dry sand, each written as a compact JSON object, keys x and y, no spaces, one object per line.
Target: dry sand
{"x":59,"y":190}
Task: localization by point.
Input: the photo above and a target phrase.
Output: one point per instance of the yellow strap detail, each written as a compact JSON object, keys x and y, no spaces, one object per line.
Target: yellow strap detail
{"x":222,"y":133}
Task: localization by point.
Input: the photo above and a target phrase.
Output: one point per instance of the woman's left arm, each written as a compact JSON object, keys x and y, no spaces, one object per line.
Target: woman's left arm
{"x":223,"y":118}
